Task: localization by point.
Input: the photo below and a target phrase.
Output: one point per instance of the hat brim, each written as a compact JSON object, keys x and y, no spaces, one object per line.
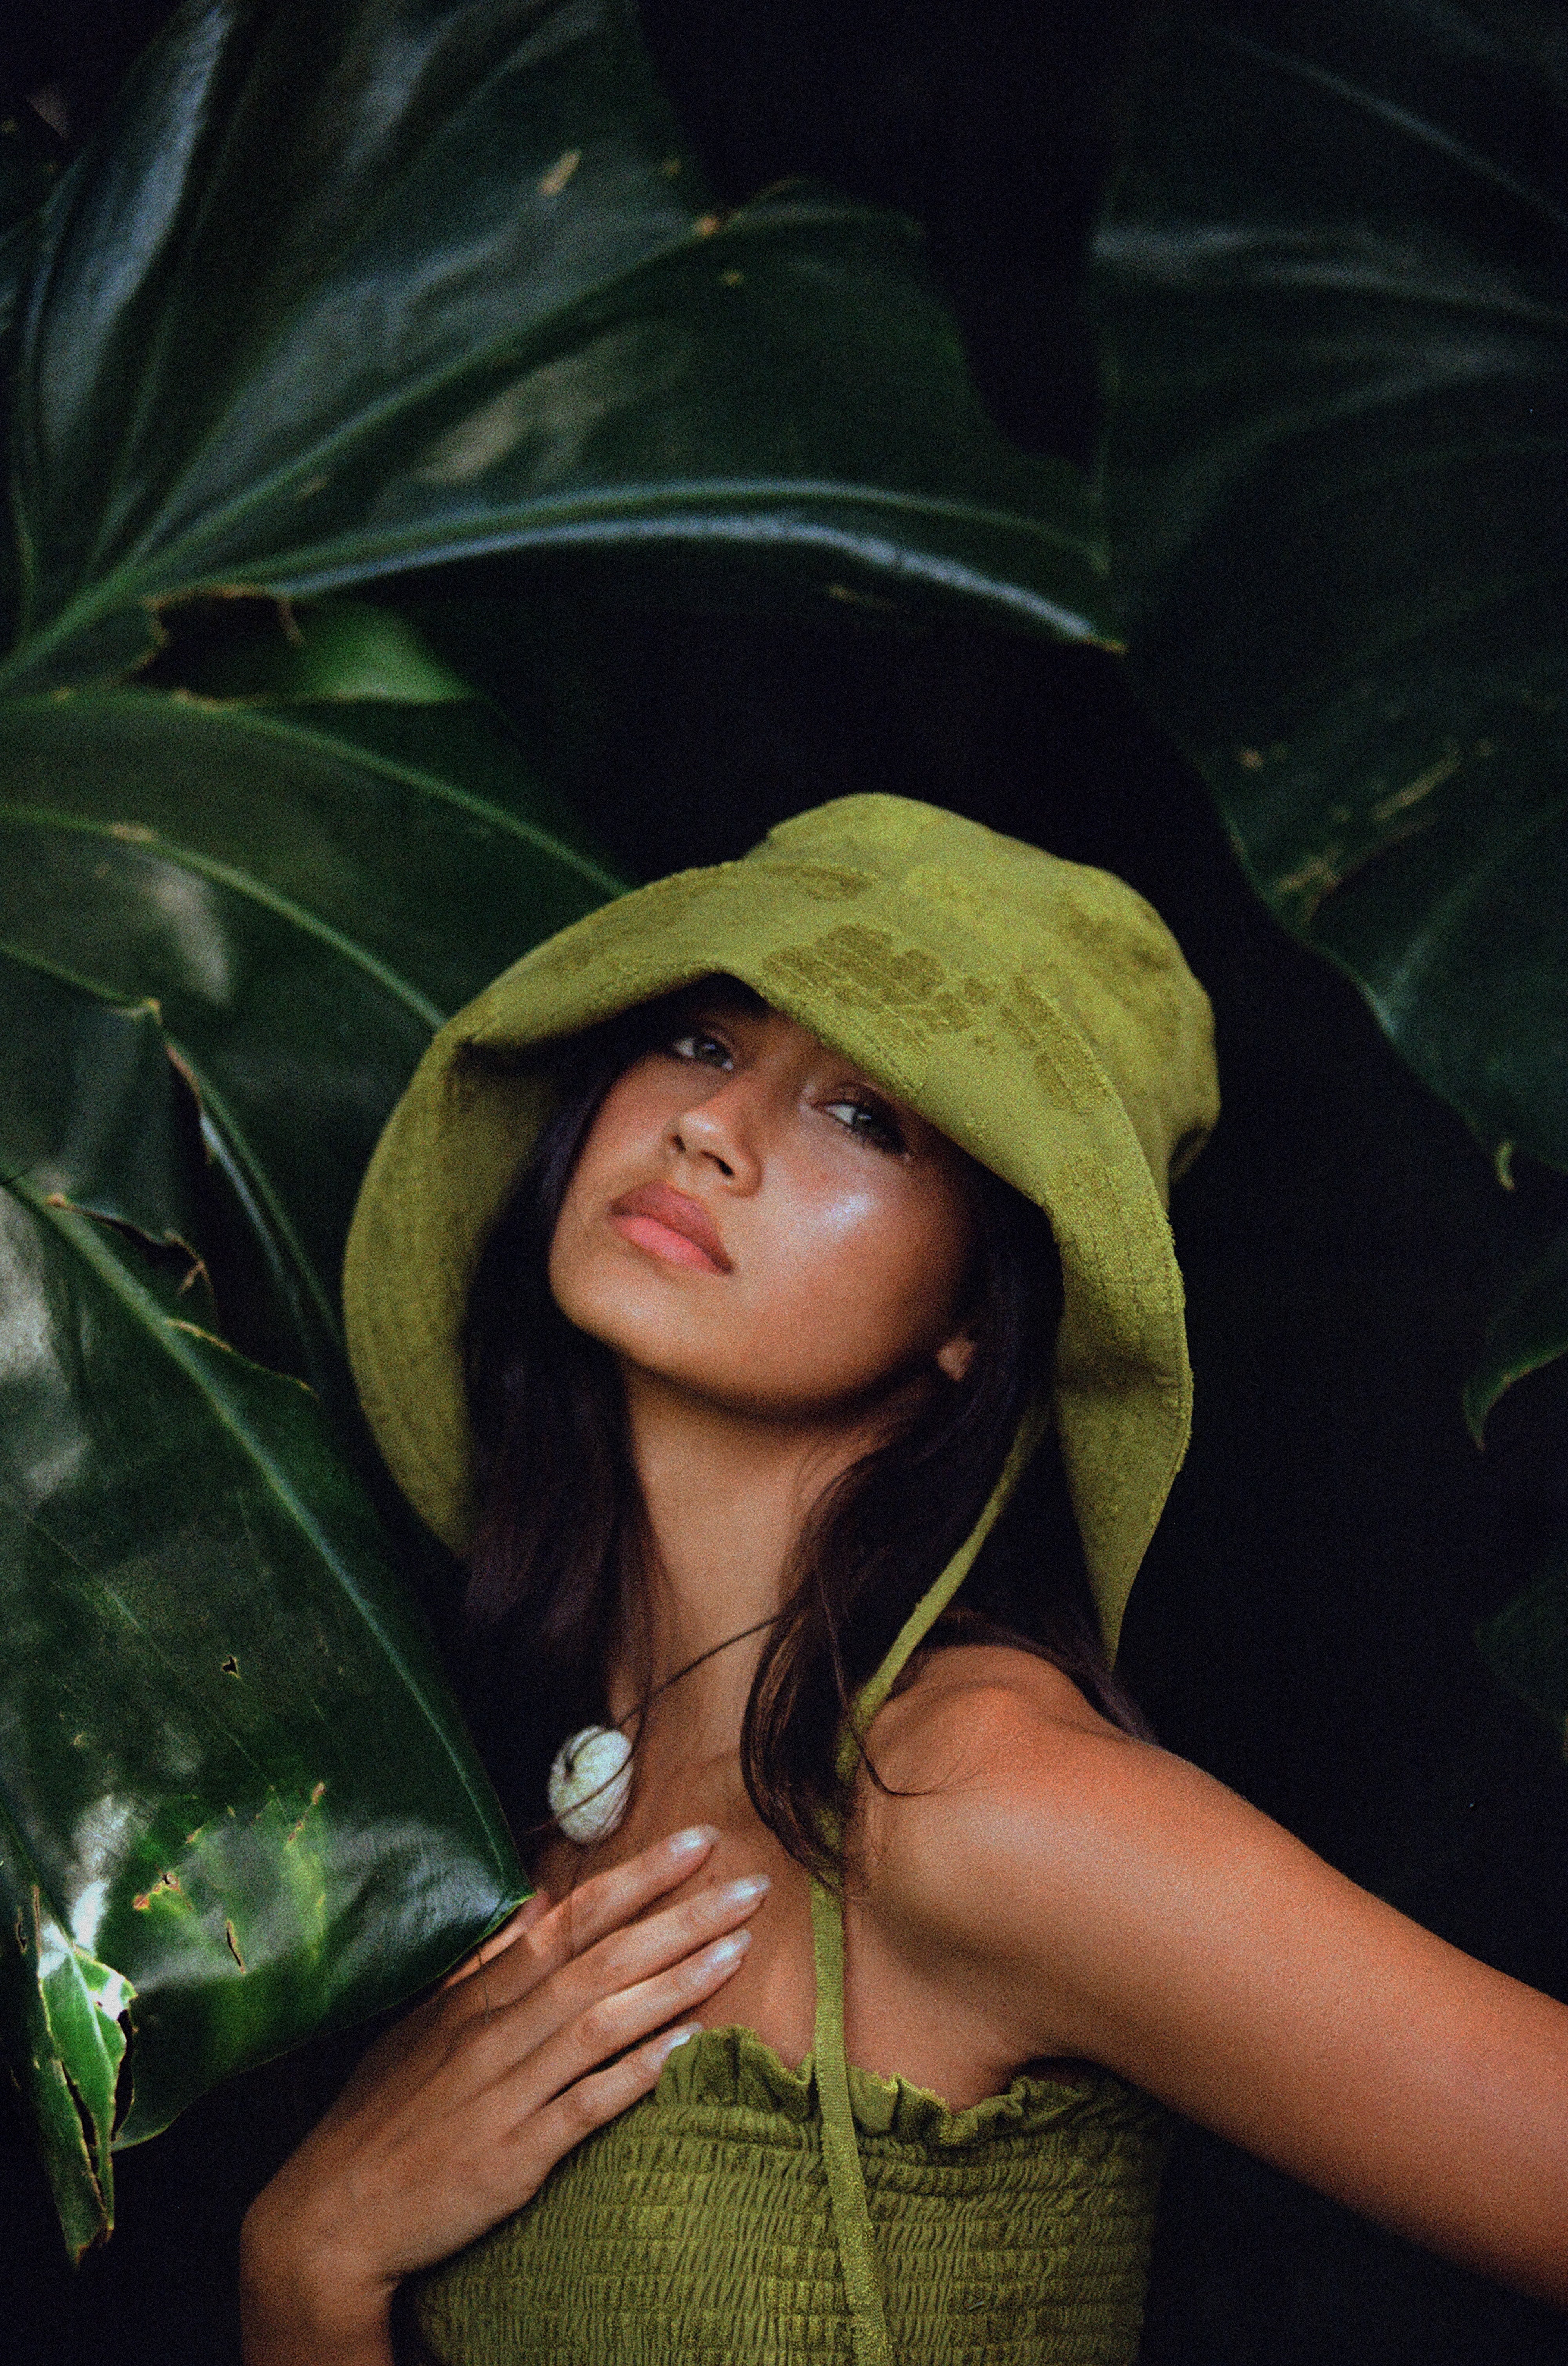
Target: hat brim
{"x":928,"y":1009}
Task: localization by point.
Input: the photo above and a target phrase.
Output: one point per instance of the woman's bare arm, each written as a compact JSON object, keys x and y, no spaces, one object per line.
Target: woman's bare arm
{"x":456,"y":2116}
{"x":1091,"y":1895}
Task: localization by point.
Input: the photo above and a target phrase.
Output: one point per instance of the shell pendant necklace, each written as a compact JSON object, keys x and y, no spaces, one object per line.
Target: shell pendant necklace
{"x":590,"y":1778}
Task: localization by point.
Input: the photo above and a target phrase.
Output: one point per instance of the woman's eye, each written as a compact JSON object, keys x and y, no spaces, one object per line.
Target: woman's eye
{"x":869,"y":1121}
{"x":700,"y":1046}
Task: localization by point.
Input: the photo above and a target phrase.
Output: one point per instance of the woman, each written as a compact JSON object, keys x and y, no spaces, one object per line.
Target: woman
{"x":749,"y":1265}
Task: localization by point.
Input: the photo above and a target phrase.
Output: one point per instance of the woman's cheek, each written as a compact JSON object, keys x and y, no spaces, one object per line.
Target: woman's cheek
{"x":856,"y":1309}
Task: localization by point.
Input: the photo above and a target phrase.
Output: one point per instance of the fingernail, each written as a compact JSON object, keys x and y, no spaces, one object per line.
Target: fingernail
{"x":677,"y":2038}
{"x":725,"y":1950}
{"x":695,"y":1837}
{"x":740,"y":1893}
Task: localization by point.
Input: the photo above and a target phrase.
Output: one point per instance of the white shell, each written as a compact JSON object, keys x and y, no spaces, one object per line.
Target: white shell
{"x":590,"y":1783}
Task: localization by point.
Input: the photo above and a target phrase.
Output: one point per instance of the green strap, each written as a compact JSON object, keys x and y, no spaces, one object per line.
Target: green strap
{"x":929,"y":1608}
{"x":841,"y":2147}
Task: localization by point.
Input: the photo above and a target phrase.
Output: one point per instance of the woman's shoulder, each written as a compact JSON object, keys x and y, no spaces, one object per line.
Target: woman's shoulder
{"x":966,"y":1708}
{"x":1008,"y":1821}
{"x":997,"y":1796}
{"x":988,"y":1767}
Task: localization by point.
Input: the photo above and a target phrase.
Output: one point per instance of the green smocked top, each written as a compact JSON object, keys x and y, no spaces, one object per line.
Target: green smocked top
{"x":697,"y":2230}
{"x":710,"y":2224}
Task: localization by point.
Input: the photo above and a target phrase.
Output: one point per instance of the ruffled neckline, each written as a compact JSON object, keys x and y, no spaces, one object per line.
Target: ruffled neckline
{"x":732,"y":2066}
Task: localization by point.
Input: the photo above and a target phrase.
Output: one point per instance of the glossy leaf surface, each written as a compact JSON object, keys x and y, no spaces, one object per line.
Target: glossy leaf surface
{"x":232,"y":1772}
{"x":64,"y":2044}
{"x":486,"y":307}
{"x":1334,"y":283}
{"x":307,"y":889}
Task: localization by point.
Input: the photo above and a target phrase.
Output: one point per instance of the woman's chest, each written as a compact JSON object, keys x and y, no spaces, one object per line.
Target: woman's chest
{"x":902,"y":2017}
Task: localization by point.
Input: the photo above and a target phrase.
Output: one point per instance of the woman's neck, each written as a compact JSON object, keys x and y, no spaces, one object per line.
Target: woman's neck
{"x":727,"y":1496}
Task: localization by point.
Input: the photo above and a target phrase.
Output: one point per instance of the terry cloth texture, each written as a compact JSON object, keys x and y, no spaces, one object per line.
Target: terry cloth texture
{"x":696,"y":2230}
{"x":1037,"y":1011}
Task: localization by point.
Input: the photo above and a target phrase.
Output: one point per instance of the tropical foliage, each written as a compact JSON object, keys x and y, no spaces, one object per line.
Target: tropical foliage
{"x":1332,"y":279}
{"x":341,"y":293}
{"x":348,"y":298}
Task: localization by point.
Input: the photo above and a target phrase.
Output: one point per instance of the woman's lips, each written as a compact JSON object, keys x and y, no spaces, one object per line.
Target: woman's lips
{"x":671,"y":1224}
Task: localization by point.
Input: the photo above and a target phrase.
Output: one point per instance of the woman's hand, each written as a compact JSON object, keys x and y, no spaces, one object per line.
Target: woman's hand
{"x":457,"y":2115}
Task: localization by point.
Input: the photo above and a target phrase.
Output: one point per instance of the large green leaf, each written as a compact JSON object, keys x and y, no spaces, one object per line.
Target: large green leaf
{"x":306,"y":889}
{"x":1526,"y":1644}
{"x":63,"y":2018}
{"x":1334,"y":279}
{"x":235,"y":1783}
{"x":1529,"y":1329}
{"x":350,"y":286}
{"x":30,"y":167}
{"x":236,"y":1800}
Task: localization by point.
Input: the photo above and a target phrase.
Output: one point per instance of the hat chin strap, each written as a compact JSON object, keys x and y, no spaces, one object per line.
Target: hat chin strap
{"x":841,"y":2148}
{"x":1031,"y":1430}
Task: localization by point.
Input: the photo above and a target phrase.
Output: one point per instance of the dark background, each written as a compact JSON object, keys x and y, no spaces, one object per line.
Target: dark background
{"x":1304,"y":1625}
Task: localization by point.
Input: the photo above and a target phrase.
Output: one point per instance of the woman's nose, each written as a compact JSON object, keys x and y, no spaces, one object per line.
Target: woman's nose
{"x":722,"y":1129}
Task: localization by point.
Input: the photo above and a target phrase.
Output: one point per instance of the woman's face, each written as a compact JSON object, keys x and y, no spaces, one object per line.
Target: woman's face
{"x":752,"y":1219}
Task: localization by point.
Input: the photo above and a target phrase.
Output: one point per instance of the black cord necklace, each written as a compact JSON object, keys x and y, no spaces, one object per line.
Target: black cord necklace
{"x":591,"y":1780}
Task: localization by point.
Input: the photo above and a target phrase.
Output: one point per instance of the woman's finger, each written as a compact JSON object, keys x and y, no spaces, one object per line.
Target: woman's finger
{"x":600,"y":2097}
{"x":610,"y":2026}
{"x":622,"y":1960}
{"x":586,"y":1915}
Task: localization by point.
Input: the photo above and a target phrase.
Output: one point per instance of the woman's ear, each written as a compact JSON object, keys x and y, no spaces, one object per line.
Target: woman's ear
{"x":954,"y":1355}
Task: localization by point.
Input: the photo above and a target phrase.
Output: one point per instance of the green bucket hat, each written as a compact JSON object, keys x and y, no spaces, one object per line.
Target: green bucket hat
{"x":1039,"y":1012}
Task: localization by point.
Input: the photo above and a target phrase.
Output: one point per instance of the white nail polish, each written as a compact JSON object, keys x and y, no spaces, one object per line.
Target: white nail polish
{"x":689,"y":1843}
{"x":725,"y":1950}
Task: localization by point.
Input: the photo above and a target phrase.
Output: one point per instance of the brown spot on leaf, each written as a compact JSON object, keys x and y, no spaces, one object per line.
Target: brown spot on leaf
{"x":1421,"y":786}
{"x":299,"y":1826}
{"x":1315,"y":878}
{"x":233,"y":1945}
{"x":231,"y":1666}
{"x":850,"y":597}
{"x":164,"y":1881}
{"x":560,"y":172}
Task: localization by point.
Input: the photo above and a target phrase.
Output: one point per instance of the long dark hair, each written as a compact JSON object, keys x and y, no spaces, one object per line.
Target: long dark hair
{"x":562,"y":1540}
